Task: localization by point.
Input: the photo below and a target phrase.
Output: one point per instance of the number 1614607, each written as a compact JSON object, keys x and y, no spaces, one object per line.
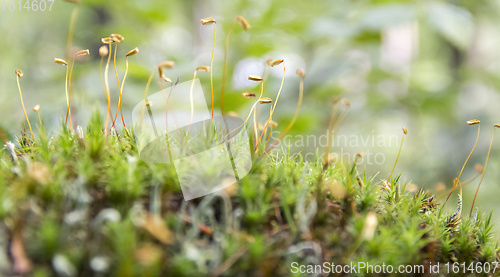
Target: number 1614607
{"x":27,"y":5}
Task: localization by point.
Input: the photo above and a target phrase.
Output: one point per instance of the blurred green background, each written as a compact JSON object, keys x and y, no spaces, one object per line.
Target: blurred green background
{"x":426,"y":65}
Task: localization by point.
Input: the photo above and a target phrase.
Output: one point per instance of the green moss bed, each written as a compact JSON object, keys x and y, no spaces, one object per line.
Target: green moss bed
{"x":85,"y":204}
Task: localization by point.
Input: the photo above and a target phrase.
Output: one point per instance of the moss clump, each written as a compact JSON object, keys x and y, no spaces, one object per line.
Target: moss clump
{"x":88,"y":206}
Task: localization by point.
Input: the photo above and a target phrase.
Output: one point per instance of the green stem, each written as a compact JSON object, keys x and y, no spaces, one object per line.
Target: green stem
{"x":24,"y":110}
{"x":484,"y":171}
{"x":212,"y":70}
{"x":397,"y":158}
{"x":295,"y":115}
{"x":106,"y":78}
{"x":470,"y":154}
{"x":224,"y":71}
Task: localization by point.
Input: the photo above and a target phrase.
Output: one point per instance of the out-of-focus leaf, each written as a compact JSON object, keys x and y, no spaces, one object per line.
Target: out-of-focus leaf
{"x":453,"y":22}
{"x":384,"y":16}
{"x":158,"y":229}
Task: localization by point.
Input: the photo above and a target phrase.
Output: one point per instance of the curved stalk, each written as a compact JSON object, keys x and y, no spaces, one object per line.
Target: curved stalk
{"x":224,"y":71}
{"x":24,"y":110}
{"x":191,"y":101}
{"x":69,"y":44}
{"x":484,"y":171}
{"x":71,"y":29}
{"x":294,"y":118}
{"x":119,"y":108}
{"x":399,"y":152}
{"x":37,"y":110}
{"x":333,"y":118}
{"x":256,"y":131}
{"x":271,"y":112}
{"x":66,"y":88}
{"x":244,"y":23}
{"x":40,"y":119}
{"x":121,"y":91}
{"x":77,"y":54}
{"x":249,"y":114}
{"x":146,"y":95}
{"x":166,"y":105}
{"x":211,"y":71}
{"x":108,"y":114}
{"x":105,"y":94}
{"x":119,"y":88}
{"x":68,"y":112}
{"x":274,"y":107}
{"x":339,"y":122}
{"x":460,"y":185}
{"x":470,"y":154}
{"x":199,"y":68}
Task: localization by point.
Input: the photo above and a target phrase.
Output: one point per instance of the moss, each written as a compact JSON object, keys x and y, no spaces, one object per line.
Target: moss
{"x":89,"y":199}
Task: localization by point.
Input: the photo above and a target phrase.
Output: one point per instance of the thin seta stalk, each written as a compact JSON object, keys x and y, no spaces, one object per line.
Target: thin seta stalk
{"x":255,"y":126}
{"x":37,"y":110}
{"x":103,"y":52}
{"x":210,"y":21}
{"x":117,"y":38}
{"x":119,"y":108}
{"x":201,"y":68}
{"x":479,"y":171}
{"x":20,"y":74}
{"x":256,"y":78}
{"x":334,"y":124}
{"x":405,"y":132}
{"x":167,"y":101}
{"x":277,"y":97}
{"x":146,"y":97}
{"x":485,"y":166}
{"x":69,"y":43}
{"x":71,"y":29}
{"x":333,"y":118}
{"x":161,"y":72}
{"x":273,"y":63}
{"x":77,"y":54}
{"x":328,"y":158}
{"x":108,"y":41}
{"x":244,"y":23}
{"x":71,"y":58}
{"x":301,"y":74}
{"x":457,"y":180}
{"x":347,"y":105}
{"x":265,"y":100}
{"x":63,"y":62}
